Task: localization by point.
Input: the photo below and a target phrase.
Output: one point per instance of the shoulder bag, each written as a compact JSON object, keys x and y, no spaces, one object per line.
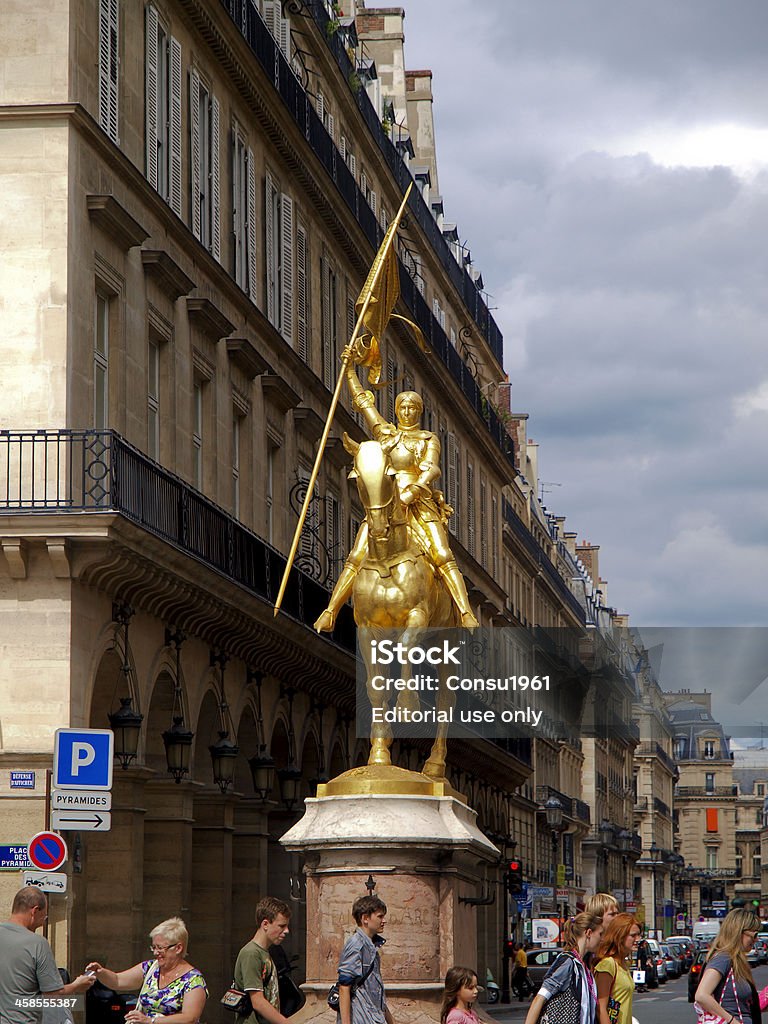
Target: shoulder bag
{"x":614,"y":1006}
{"x":333,"y":991}
{"x":704,"y":1016}
{"x":564,"y":1007}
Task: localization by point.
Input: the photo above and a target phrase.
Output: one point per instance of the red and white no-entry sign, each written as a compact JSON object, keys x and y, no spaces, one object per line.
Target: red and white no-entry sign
{"x":47,"y":851}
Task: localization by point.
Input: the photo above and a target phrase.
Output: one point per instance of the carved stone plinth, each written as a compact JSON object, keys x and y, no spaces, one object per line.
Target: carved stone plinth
{"x":426,"y":855}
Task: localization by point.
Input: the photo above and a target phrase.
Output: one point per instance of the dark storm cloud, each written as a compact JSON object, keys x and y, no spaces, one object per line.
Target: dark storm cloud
{"x":627,"y":270}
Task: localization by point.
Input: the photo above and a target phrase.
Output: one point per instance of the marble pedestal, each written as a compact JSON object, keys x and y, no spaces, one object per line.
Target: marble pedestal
{"x":425,"y":854}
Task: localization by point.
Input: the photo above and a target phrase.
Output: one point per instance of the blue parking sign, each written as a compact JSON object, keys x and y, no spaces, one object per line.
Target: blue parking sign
{"x":82,"y":759}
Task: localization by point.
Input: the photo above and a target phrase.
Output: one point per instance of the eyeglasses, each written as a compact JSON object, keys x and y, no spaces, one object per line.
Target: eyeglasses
{"x":753,"y":934}
{"x":161,"y":949}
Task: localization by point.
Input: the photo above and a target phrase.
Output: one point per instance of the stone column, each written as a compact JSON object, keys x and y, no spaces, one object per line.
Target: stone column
{"x":426,"y":856}
{"x":168,"y":852}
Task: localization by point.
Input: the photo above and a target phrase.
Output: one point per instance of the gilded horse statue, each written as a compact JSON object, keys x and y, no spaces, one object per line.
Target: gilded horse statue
{"x":396,"y":587}
{"x":401,"y":572}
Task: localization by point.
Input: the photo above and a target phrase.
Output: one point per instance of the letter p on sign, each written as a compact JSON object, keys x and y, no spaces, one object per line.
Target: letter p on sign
{"x":82,"y":759}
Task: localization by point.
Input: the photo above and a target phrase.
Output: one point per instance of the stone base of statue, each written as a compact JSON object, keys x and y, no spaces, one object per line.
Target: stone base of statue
{"x":425,"y":854}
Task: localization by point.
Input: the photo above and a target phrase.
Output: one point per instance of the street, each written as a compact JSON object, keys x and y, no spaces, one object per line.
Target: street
{"x":668,"y":1003}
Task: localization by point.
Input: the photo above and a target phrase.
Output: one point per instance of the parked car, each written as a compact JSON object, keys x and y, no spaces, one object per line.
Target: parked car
{"x":694,"y":975}
{"x":753,"y":957}
{"x":671,"y":961}
{"x":761,"y":943}
{"x":658,"y":960}
{"x":539,"y":962}
{"x":686,"y":947}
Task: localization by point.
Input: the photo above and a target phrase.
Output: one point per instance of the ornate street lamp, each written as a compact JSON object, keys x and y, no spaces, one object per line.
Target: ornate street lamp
{"x":177,"y":739}
{"x":224,"y":752}
{"x":289,"y":780}
{"x":126,"y":725}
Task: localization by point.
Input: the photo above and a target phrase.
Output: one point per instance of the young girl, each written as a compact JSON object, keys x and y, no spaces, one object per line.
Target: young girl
{"x":568,"y":981}
{"x":613,"y":971}
{"x":460,"y":994}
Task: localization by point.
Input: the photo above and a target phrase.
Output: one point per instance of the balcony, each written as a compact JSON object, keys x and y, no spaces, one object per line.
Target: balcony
{"x":88,"y":471}
{"x":718,"y":792}
{"x":656,"y":750}
{"x":279,"y":72}
{"x":572,"y":808}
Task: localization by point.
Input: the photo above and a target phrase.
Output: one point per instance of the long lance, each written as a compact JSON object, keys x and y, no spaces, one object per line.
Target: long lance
{"x":378,"y":264}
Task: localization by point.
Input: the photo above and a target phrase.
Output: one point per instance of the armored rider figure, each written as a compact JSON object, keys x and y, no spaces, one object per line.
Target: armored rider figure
{"x":415,"y":457}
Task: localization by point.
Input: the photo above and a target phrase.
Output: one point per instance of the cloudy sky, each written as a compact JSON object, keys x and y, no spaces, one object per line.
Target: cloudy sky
{"x":607,"y":164}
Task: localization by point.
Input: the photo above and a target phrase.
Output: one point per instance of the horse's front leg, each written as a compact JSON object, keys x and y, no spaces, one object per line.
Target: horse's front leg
{"x":381,"y":732}
{"x":434,"y":767}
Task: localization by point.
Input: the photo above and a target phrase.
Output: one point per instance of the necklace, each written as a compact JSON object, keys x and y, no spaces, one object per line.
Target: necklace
{"x":171,"y":976}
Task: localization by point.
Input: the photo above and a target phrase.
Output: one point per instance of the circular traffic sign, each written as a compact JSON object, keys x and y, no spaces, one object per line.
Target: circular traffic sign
{"x":47,"y":851}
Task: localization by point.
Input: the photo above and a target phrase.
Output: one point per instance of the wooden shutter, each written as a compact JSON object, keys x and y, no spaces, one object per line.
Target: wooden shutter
{"x":343,"y":148}
{"x":392,"y":388}
{"x":285,"y":37}
{"x":495,"y":534}
{"x":372,"y":202}
{"x":471,"y":508}
{"x":251,"y":228}
{"x":483,"y":523}
{"x":325,"y":299}
{"x":175,"y":110}
{"x":194,"y":136}
{"x":451,"y":481}
{"x":272,"y":18}
{"x":320,"y":106}
{"x":109,"y":57}
{"x":286,"y":267}
{"x":269,"y":254}
{"x":215,"y":179}
{"x":302,"y":304}
{"x":150,"y":65}
{"x":353,"y":165}
{"x":331,"y":127}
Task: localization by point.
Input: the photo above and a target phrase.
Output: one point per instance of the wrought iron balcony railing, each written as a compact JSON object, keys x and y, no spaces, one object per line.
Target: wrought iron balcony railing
{"x":71,"y":471}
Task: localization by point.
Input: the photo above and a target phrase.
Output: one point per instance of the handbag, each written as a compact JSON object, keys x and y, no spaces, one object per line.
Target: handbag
{"x":705,"y":1017}
{"x":563,"y":1007}
{"x":333,"y":991}
{"x":614,"y":1006}
{"x":291,"y":996}
{"x":236,"y":1001}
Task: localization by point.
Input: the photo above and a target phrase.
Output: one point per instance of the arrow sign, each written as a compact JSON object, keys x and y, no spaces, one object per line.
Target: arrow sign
{"x":81,"y":821}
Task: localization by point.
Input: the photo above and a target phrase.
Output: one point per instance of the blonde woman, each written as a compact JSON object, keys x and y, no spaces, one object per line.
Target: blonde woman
{"x":171,"y":988}
{"x":727,"y":988}
{"x":568,"y":987}
{"x":613,"y":971}
{"x":604,"y":906}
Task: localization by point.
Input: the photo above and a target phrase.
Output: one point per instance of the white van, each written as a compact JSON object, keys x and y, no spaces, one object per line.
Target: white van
{"x":706,"y":931}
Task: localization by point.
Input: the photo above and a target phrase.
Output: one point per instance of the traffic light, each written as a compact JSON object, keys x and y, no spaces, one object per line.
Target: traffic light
{"x":509,"y":947}
{"x":755,"y":904}
{"x":514,"y":877}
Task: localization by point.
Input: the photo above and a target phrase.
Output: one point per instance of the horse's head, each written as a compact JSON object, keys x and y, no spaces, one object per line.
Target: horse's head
{"x":376,"y":483}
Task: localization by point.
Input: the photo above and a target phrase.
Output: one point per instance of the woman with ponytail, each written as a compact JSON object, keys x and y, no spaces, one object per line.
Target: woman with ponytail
{"x":726,"y":989}
{"x":568,"y":992}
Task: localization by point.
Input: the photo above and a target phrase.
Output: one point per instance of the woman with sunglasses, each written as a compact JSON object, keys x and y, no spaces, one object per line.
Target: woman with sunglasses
{"x":727,"y":988}
{"x":171,"y":988}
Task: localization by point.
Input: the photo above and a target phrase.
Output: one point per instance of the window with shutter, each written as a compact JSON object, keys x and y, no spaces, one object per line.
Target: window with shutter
{"x":271,"y":255}
{"x":451,"y":478}
{"x":109,"y":58}
{"x":155,"y":45}
{"x":302,"y":292}
{"x":174,"y":185}
{"x":470,"y":508}
{"x":328,"y":302}
{"x":285,"y":37}
{"x":333,"y":533}
{"x":372,"y":201}
{"x":286,"y":268}
{"x":483,"y":523}
{"x":242,"y":181}
{"x":495,"y":535}
{"x":205,"y":199}
{"x":391,"y":387}
{"x":330,"y":125}
{"x":343,"y":148}
{"x":352,"y":163}
{"x":309,"y":535}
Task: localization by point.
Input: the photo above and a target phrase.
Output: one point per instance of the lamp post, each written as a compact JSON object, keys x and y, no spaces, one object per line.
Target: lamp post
{"x":554,"y":811}
{"x":690,"y":873}
{"x":655,"y":858}
{"x":625,"y":841}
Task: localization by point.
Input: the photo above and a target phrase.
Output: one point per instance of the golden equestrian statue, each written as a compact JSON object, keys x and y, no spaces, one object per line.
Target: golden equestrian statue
{"x":414,"y":454}
{"x":401,"y":572}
